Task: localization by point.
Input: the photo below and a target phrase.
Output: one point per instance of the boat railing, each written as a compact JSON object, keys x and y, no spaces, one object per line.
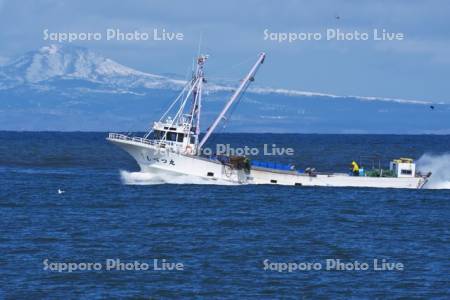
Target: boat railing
{"x":118,"y":136}
{"x":161,"y":144}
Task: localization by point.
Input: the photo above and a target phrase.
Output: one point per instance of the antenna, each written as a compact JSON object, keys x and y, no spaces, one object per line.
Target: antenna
{"x":199,"y":44}
{"x":194,"y":60}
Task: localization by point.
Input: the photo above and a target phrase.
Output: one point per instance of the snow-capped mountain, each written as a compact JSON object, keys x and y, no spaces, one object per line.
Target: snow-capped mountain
{"x":57,"y":62}
{"x":51,"y":65}
{"x":70,"y":88}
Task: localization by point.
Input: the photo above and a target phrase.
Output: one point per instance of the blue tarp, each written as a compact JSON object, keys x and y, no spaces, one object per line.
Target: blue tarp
{"x":271,"y":165}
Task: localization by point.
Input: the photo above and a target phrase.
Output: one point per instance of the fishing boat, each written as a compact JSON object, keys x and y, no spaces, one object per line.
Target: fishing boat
{"x":174,"y":146}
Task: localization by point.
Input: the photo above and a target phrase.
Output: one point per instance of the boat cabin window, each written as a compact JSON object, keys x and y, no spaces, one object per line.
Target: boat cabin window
{"x":406,"y":172}
{"x":171,"y":136}
{"x":157,"y":134}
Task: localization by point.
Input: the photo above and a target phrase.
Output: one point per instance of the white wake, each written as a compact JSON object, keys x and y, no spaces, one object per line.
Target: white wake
{"x":141,"y":178}
{"x":439,"y":166}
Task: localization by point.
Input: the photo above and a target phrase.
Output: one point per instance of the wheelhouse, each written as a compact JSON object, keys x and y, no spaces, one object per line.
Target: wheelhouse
{"x":179,"y":137}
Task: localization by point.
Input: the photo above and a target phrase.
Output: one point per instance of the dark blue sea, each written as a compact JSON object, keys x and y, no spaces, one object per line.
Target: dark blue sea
{"x":232,"y":241}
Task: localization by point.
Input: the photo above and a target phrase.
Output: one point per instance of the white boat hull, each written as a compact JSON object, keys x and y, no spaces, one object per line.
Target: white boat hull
{"x":334,"y":180}
{"x":150,"y":159}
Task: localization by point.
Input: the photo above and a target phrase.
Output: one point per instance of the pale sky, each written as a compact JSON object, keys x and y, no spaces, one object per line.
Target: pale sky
{"x":417,"y":67}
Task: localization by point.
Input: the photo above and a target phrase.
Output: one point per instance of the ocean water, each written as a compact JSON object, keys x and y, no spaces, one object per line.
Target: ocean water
{"x":233,"y":241}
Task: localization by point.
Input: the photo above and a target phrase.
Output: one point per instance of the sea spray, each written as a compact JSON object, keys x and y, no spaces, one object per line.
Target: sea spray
{"x":143,"y":178}
{"x":439,"y":166}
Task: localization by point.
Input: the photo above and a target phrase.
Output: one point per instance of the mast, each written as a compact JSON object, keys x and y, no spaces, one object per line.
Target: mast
{"x":244,"y":84}
{"x":186,"y":118}
{"x":199,"y":109}
{"x":197,"y":103}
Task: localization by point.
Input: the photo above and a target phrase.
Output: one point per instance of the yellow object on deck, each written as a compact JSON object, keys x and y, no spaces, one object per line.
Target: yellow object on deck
{"x":355,"y":167}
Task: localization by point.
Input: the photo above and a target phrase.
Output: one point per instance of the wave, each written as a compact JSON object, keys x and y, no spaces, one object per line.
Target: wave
{"x":161,"y":177}
{"x":33,"y":171}
{"x":439,"y":166}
